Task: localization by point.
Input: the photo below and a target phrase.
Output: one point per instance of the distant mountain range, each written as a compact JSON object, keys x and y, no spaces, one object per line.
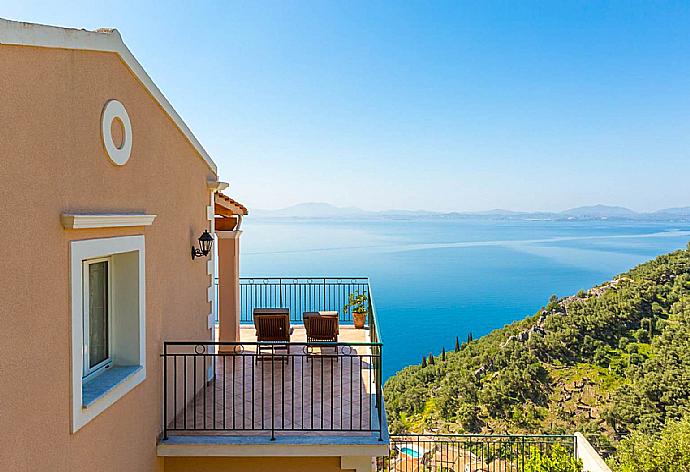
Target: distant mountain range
{"x":599,"y":211}
{"x":310,"y":210}
{"x":595,"y":212}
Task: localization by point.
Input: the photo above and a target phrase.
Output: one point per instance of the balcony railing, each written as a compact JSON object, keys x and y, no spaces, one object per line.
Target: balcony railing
{"x":324,"y":387}
{"x":299,"y":294}
{"x":470,"y":452}
{"x":249,"y":387}
{"x":303,"y":294}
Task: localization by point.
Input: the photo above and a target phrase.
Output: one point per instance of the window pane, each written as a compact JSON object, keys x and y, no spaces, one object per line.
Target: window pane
{"x":98,"y":313}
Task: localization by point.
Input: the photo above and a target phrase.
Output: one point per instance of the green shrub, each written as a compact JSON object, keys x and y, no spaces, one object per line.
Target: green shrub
{"x":622,"y":342}
{"x":560,"y":460}
{"x":553,"y":303}
{"x":642,"y":334}
{"x":668,"y":451}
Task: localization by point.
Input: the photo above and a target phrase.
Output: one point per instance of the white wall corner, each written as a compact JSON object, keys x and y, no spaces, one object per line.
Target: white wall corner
{"x":211,"y":321}
{"x":209,"y":266}
{"x":210,"y":213}
{"x":591,"y":460}
{"x":357,"y":463}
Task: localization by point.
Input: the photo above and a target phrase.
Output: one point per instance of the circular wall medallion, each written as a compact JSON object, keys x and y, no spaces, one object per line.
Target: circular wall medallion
{"x":114,"y":111}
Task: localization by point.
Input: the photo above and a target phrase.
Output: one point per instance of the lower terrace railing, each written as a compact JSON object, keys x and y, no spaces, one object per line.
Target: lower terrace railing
{"x":299,"y":294}
{"x":236,"y":388}
{"x":469,"y":453}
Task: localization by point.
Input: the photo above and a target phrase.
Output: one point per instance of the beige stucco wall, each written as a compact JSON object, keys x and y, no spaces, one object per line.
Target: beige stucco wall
{"x":52,"y":161}
{"x":252,"y":464}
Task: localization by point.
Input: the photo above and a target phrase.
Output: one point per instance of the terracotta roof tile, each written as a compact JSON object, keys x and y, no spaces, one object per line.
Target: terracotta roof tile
{"x":229,"y":201}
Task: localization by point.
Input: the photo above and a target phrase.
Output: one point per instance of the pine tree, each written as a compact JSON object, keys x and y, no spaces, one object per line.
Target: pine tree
{"x":457,"y":344}
{"x":443,"y":354}
{"x":423,"y":362}
{"x":431,"y":359}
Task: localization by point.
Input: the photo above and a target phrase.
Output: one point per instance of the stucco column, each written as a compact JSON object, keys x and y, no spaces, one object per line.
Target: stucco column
{"x":228,"y":286}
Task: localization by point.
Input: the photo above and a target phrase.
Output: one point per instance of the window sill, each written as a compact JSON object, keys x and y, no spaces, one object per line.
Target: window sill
{"x":99,"y":386}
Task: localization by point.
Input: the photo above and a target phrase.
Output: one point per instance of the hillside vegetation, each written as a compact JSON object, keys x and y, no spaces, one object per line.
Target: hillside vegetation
{"x":611,"y":362}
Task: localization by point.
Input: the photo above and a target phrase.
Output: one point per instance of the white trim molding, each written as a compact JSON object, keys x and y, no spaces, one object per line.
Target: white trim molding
{"x":229,"y":234}
{"x":282,"y":446}
{"x":114,"y":110}
{"x":217,"y":186}
{"x":106,"y":40}
{"x":88,"y":249}
{"x":88,"y":221}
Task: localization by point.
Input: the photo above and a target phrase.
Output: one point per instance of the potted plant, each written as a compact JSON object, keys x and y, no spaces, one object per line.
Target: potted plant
{"x":359,"y":304}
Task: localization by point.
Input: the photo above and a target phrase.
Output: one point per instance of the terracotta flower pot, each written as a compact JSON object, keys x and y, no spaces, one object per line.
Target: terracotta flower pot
{"x":359,"y":318}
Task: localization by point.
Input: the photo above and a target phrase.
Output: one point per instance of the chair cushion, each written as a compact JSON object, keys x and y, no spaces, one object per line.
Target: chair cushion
{"x":272,"y":311}
{"x":319,"y":313}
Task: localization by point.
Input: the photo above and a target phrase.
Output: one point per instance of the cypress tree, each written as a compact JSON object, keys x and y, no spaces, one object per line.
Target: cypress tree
{"x":469,"y":337}
{"x":431,"y":359}
{"x":443,"y":354}
{"x":457,"y":344}
{"x":423,"y":362}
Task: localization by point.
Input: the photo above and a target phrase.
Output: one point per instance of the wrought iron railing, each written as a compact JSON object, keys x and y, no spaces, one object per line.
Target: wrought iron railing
{"x":470,"y":452}
{"x":258,"y":386}
{"x":303,"y":294}
{"x":299,"y":294}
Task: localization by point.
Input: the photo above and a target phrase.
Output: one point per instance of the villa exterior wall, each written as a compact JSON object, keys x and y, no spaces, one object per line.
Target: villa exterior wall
{"x":252,"y":464}
{"x":52,"y":161}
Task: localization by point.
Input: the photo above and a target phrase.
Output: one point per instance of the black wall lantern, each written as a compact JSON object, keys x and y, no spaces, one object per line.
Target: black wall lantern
{"x":205,"y":243}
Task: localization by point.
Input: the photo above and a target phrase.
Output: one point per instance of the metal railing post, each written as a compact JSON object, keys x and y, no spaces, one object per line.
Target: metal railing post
{"x":165,"y":390}
{"x":379,"y":391}
{"x":273,"y":395}
{"x":280,"y":290}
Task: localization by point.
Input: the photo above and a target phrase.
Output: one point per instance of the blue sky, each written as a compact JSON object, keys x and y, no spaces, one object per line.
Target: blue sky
{"x":434,"y":105}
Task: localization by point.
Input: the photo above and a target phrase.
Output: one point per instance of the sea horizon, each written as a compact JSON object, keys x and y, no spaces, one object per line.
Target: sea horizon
{"x":441,"y":279}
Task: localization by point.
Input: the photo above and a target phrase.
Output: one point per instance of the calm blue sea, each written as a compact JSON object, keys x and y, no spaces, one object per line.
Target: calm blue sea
{"x":434,"y":280}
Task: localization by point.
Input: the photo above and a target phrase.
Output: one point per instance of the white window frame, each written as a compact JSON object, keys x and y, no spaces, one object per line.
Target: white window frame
{"x":88,"y":372}
{"x":81,"y":251}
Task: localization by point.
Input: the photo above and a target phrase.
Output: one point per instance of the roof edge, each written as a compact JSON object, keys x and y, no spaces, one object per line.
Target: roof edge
{"x":230,"y":204}
{"x":19,"y":33}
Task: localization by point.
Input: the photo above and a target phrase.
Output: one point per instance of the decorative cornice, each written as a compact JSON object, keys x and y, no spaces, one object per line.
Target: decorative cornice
{"x":217,"y":186}
{"x":88,"y":221}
